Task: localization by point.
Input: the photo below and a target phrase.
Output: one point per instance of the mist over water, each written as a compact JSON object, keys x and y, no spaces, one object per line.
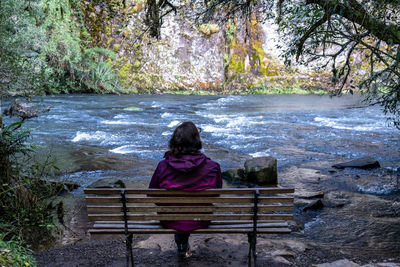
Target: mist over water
{"x":255,"y":125}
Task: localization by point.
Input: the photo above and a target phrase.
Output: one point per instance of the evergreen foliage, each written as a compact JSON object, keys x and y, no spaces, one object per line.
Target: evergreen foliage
{"x":27,"y":202}
{"x":20,"y":42}
{"x":44,"y":49}
{"x":71,"y":66}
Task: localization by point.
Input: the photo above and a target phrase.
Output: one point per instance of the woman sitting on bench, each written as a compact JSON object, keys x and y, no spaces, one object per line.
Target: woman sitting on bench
{"x":185,"y":168}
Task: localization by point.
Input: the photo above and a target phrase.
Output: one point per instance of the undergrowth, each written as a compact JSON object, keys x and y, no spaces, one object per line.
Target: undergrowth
{"x":30,"y":211}
{"x":13,"y":253}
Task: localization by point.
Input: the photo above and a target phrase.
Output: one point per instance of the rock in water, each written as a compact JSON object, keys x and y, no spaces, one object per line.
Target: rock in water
{"x":233,"y":174}
{"x":261,"y":170}
{"x":339,"y":263}
{"x":62,"y":186}
{"x":107,"y":183}
{"x":315,"y":205}
{"x":360,"y":163}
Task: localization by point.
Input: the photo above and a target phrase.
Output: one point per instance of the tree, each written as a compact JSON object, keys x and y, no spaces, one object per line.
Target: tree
{"x":358,"y":40}
{"x":20,"y":41}
{"x":155,"y":13}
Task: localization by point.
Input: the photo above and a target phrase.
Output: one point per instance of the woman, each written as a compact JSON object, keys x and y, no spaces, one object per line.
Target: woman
{"x":185,"y":168}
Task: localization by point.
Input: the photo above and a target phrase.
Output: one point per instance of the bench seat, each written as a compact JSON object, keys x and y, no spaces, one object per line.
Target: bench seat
{"x":248,"y":211}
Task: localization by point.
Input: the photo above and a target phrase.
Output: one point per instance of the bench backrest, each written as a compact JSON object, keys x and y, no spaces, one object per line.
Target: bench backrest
{"x":234,"y":204}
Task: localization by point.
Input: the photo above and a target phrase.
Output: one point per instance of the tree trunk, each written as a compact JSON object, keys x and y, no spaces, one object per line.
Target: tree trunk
{"x":153,"y":18}
{"x":1,"y":118}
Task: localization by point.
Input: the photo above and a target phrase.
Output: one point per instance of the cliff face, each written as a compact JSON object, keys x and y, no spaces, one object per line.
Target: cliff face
{"x":187,"y":55}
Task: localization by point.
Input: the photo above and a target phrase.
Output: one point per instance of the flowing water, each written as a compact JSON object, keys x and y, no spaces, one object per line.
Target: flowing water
{"x":100,"y":136}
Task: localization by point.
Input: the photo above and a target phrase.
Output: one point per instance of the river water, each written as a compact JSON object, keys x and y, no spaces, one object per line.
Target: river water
{"x":100,"y":136}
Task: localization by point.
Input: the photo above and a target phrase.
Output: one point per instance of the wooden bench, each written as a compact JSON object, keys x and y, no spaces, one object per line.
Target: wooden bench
{"x":249,"y":211}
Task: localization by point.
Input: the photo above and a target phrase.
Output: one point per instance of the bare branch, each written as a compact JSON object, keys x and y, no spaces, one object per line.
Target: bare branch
{"x":308,"y":34}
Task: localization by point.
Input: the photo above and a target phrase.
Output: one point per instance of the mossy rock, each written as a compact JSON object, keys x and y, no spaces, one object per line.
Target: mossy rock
{"x":208,"y":29}
{"x":233,"y":174}
{"x":261,"y":170}
{"x":133,"y":109}
{"x":107,"y":183}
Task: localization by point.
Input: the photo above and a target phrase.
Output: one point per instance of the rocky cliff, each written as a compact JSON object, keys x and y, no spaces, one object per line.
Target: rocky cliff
{"x":187,"y":55}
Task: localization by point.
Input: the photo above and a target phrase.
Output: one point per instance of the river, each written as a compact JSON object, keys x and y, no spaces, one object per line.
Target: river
{"x":100,"y":136}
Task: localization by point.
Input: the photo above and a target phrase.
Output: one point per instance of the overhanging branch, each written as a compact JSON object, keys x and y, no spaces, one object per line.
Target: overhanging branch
{"x":308,"y":33}
{"x":354,"y":12}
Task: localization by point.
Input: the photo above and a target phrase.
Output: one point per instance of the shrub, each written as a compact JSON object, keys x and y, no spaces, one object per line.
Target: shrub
{"x":13,"y":253}
{"x":27,"y":202}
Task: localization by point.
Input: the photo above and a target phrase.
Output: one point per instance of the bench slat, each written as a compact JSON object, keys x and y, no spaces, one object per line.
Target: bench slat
{"x":212,"y":222}
{"x":132,"y":208}
{"x":187,"y":217}
{"x":188,"y":200}
{"x":199,"y":231}
{"x":211,"y":226}
{"x":164,"y":192}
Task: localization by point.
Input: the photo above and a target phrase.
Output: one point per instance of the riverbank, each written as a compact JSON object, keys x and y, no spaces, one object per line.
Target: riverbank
{"x":315,"y":238}
{"x":278,"y":86}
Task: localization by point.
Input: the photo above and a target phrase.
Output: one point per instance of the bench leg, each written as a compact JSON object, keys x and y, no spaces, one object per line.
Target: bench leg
{"x":252,"y":249}
{"x":129,"y":251}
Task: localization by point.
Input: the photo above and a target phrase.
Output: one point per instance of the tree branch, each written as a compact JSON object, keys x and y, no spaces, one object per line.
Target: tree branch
{"x":390,"y":33}
{"x":300,"y":45}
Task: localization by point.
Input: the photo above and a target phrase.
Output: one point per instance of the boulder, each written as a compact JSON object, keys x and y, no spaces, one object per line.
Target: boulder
{"x":360,"y":163}
{"x":315,"y":205}
{"x":233,"y":174}
{"x":310,"y":195}
{"x":107,"y":183}
{"x":61,"y":186}
{"x":339,"y":263}
{"x":261,"y":170}
{"x":64,"y":185}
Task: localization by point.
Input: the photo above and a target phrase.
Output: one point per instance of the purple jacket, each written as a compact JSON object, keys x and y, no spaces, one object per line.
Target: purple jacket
{"x":192,"y":172}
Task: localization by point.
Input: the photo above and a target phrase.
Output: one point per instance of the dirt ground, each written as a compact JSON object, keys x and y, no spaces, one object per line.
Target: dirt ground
{"x":207,"y":251}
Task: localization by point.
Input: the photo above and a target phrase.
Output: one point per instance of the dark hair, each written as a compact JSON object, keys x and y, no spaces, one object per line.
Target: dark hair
{"x":185,"y":139}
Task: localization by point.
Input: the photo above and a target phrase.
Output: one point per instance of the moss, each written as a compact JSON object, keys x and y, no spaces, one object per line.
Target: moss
{"x":125,"y":71}
{"x":117,"y":47}
{"x":136,"y":65}
{"x":208,"y":29}
{"x":237,"y":63}
{"x":274,"y":89}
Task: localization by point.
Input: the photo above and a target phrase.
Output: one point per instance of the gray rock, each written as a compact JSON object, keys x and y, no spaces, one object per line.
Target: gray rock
{"x":339,"y":263}
{"x":233,"y":174}
{"x":108,"y":183}
{"x":360,"y":163}
{"x":311,"y":195}
{"x":382,"y":264}
{"x":315,"y":205}
{"x":261,"y":170}
{"x":62,"y":186}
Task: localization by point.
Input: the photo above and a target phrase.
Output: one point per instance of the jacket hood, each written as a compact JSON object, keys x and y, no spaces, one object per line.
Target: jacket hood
{"x":185,"y":163}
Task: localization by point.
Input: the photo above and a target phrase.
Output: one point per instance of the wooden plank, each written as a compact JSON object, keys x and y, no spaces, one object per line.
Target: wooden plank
{"x":154,"y":222}
{"x":187,"y":217}
{"x":164,"y":192}
{"x":146,"y":209}
{"x":159,"y":226}
{"x":189,"y":200}
{"x":199,"y":231}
